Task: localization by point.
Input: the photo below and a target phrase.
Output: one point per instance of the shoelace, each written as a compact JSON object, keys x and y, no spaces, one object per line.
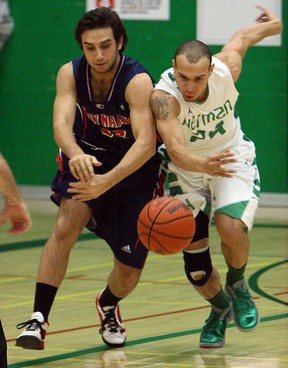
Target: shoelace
{"x":33,"y":324}
{"x":110,"y":320}
{"x":245,"y":297}
{"x":212,"y":323}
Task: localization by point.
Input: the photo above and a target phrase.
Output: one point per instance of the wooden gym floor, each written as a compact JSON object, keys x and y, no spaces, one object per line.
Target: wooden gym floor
{"x":163,"y":316}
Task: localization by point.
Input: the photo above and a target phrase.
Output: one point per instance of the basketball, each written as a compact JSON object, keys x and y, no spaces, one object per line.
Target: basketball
{"x":166,"y":225}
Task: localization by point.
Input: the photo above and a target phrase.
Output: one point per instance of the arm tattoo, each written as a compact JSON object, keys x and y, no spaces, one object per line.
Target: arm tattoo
{"x":160,"y":107}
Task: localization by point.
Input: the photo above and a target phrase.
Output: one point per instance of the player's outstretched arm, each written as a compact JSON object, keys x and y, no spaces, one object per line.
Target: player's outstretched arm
{"x":232,"y":54}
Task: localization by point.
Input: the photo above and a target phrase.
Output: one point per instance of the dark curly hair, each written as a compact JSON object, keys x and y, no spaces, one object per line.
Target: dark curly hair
{"x":102,"y":18}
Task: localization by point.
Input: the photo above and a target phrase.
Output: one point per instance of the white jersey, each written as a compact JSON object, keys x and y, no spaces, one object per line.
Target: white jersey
{"x":208,"y":126}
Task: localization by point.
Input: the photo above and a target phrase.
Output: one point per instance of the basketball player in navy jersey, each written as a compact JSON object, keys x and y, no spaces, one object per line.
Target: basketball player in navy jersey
{"x":104,"y":126}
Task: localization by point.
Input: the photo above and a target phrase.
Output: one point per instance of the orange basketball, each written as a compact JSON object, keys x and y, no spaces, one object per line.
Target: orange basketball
{"x":166,"y":225}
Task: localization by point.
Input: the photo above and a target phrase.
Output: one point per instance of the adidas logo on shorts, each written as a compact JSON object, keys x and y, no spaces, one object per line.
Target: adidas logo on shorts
{"x":126,"y":249}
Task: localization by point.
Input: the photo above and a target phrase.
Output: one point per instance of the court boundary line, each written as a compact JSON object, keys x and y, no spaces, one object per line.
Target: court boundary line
{"x":253,"y":282}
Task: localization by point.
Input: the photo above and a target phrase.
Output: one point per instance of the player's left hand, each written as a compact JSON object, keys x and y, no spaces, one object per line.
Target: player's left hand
{"x":265,"y":15}
{"x":87,"y":190}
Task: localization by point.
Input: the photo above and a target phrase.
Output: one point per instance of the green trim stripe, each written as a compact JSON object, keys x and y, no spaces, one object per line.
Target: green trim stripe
{"x":234,"y":210}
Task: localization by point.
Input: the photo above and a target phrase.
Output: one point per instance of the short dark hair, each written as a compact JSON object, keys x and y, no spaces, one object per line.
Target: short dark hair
{"x":102,"y":18}
{"x":194,"y":50}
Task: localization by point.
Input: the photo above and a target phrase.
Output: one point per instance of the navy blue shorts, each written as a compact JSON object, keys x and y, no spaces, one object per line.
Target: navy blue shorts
{"x":116,"y":211}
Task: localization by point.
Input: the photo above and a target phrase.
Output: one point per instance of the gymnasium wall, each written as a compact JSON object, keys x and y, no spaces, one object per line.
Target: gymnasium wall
{"x":43,"y":39}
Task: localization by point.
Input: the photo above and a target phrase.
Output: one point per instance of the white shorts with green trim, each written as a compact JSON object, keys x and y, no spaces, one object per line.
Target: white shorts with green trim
{"x":237,"y":197}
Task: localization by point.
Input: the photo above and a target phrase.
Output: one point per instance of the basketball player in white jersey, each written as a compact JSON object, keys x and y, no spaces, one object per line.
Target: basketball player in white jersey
{"x":194,"y":106}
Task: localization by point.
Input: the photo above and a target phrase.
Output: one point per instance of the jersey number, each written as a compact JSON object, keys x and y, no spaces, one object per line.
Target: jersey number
{"x":117,"y":133}
{"x":200,"y":135}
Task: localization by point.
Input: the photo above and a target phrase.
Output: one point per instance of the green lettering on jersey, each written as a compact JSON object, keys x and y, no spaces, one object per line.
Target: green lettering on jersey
{"x":186,"y":122}
{"x":195,"y":122}
{"x":207,"y":118}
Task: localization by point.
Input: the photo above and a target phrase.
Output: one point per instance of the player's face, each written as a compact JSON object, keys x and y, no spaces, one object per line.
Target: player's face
{"x":101,"y":50}
{"x":192,"y":78}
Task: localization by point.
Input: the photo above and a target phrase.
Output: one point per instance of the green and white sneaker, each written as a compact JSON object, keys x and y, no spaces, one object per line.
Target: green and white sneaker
{"x":213,"y":332}
{"x":246,"y":316}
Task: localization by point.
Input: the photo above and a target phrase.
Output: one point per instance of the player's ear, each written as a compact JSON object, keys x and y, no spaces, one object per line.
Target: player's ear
{"x":211,"y":69}
{"x":174,"y":65}
{"x":120,"y":43}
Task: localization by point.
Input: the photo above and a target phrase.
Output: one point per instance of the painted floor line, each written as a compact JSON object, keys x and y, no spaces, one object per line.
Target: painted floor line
{"x":253,"y":282}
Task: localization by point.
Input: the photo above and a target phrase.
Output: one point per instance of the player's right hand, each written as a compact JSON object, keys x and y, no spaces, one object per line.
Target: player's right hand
{"x":82,"y":166}
{"x":213,"y":164}
{"x":19,"y":217}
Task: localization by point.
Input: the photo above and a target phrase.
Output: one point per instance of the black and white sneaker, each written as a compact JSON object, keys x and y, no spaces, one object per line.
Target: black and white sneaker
{"x":34,"y":334}
{"x":112,"y":329}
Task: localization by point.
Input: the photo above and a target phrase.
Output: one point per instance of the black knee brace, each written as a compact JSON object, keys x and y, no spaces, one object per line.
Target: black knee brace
{"x":202,"y":227}
{"x":198,"y":264}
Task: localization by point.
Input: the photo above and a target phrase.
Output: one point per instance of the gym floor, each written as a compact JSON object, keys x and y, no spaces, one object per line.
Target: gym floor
{"x":163,"y":316}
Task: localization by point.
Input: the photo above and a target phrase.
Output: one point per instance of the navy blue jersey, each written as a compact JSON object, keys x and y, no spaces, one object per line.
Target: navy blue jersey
{"x":103,"y":128}
{"x":106,"y":124}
